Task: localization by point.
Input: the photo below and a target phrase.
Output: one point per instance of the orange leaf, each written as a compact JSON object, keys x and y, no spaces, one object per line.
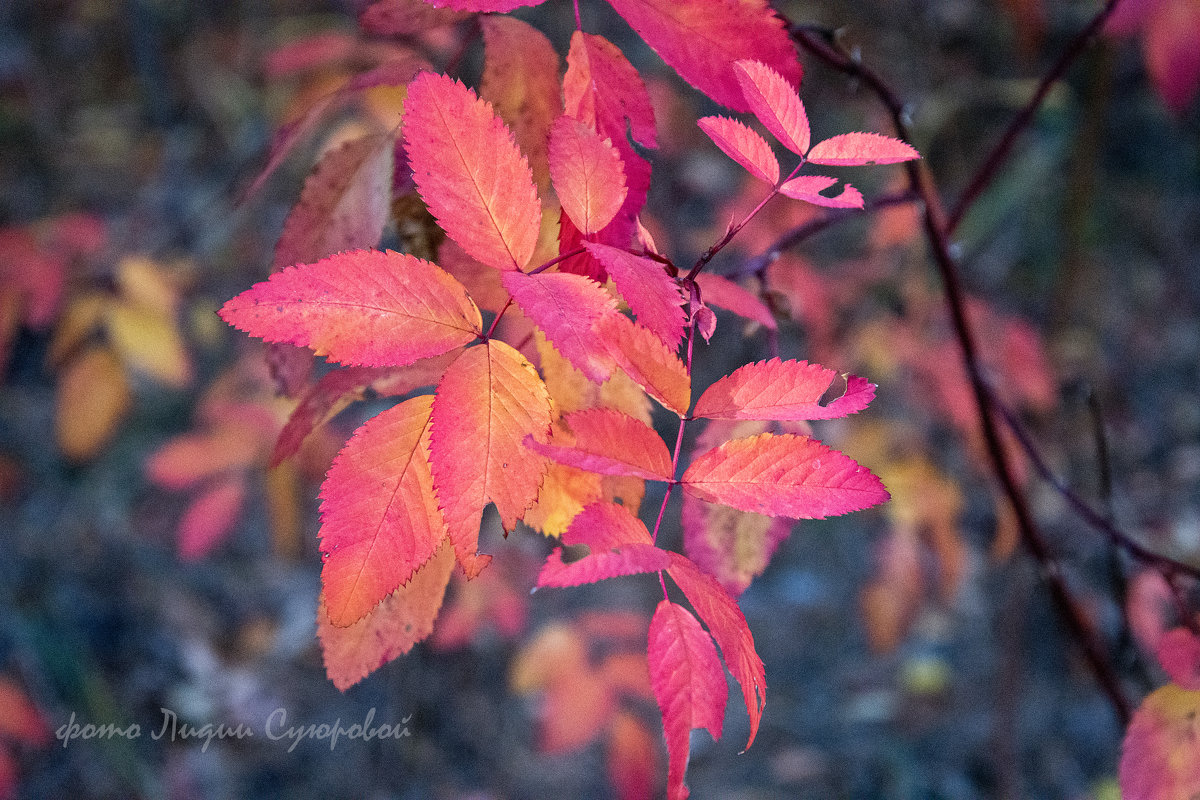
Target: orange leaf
{"x":783,"y":390}
{"x":783,"y":475}
{"x":488,"y":401}
{"x":520,"y":80}
{"x":648,"y":362}
{"x":470,"y":172}
{"x":369,"y":307}
{"x":689,"y":685}
{"x":775,"y":102}
{"x":191,"y":457}
{"x":404,"y":618}
{"x":631,"y":757}
{"x":743,"y":145}
{"x":380,"y":520}
{"x":701,"y":40}
{"x":93,"y":397}
{"x":588,"y":174}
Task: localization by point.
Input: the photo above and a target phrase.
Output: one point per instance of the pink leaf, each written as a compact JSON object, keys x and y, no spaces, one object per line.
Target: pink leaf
{"x":1160,"y":756}
{"x":733,"y":546}
{"x":727,"y":625}
{"x":567,"y":309}
{"x":783,"y":475}
{"x":724,"y":293}
{"x":809,"y":187}
{"x":653,"y":295}
{"x":701,"y":40}
{"x":210,"y":517}
{"x":854,"y":149}
{"x":628,"y":559}
{"x":470,"y":172}
{"x":775,"y":102}
{"x":588,"y":174}
{"x":742,"y":145}
{"x":604,"y":526}
{"x":369,"y":307}
{"x":784,"y":390}
{"x":1179,"y":653}
{"x":688,"y":682}
{"x":611,"y":443}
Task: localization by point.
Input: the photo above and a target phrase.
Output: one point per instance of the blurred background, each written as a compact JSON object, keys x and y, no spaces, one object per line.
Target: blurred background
{"x":156,"y":569}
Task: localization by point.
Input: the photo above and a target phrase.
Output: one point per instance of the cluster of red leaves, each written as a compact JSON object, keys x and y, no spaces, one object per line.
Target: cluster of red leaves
{"x":543,"y":412}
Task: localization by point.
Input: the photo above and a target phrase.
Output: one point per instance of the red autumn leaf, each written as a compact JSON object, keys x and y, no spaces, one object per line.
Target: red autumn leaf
{"x":783,"y":475}
{"x":380,"y":519}
{"x":809,"y":187}
{"x":775,"y":102}
{"x":1160,"y":757}
{"x":653,"y":296}
{"x":603,"y":90}
{"x":567,"y":309}
{"x":604,"y":526}
{"x":470,"y":173}
{"x":855,"y":149}
{"x":701,"y":40}
{"x":498,"y":6}
{"x":312,"y":52}
{"x":488,"y":401}
{"x":344,"y":203}
{"x":727,"y":624}
{"x":611,"y":443}
{"x":404,"y":618}
{"x":724,"y":293}
{"x":20,"y":719}
{"x":742,"y":145}
{"x":689,"y":685}
{"x":648,"y":362}
{"x":521,"y":81}
{"x":369,"y":307}
{"x":210,"y":517}
{"x":588,"y":174}
{"x":628,"y":559}
{"x":784,"y":390}
{"x":406,"y":17}
{"x":1179,"y":653}
{"x":631,"y":757}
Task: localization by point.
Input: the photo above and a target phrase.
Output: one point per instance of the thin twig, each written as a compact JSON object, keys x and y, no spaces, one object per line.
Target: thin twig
{"x":800,"y":233}
{"x":1101,"y":522}
{"x":921,"y":181}
{"x":999,"y":154}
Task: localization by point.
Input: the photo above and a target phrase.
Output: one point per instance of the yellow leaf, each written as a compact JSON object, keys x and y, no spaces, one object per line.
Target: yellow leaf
{"x":149,"y":341}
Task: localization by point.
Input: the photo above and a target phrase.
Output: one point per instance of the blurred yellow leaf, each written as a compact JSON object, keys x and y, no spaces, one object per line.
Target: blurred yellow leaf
{"x":149,"y":341}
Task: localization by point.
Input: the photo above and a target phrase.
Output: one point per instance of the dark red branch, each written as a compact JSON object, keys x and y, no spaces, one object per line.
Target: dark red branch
{"x":922,"y":182}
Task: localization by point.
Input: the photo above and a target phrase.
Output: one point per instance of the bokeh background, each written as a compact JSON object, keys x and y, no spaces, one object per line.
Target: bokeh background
{"x":911,"y":651}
